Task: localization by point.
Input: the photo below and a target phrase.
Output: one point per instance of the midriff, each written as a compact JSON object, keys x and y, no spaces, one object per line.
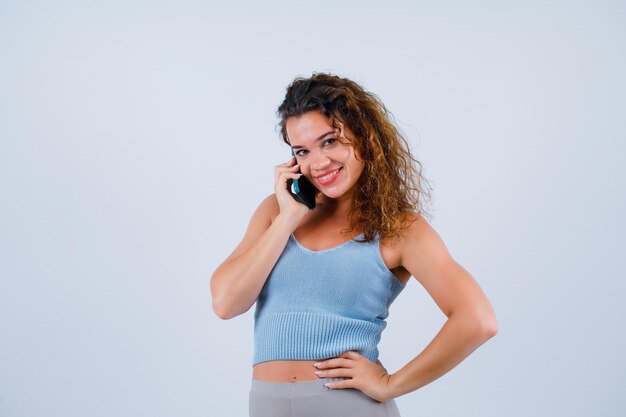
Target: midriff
{"x":285,"y":371}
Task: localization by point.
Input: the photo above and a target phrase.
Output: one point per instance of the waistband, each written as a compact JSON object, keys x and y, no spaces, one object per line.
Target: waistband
{"x":292,"y":388}
{"x":319,"y":334}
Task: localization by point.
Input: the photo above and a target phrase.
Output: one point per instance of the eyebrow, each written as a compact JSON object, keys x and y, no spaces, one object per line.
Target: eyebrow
{"x":318,"y":139}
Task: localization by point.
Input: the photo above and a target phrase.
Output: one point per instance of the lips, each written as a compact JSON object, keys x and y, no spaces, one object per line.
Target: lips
{"x":327,"y":172}
{"x":331,"y":178}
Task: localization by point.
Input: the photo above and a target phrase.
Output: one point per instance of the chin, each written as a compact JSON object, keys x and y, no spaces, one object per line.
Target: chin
{"x":333,"y":194}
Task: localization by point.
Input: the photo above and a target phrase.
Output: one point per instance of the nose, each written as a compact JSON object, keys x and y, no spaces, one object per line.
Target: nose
{"x":319,"y":163}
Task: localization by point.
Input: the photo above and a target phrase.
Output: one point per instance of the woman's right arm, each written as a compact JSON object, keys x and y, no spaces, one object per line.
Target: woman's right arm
{"x":237,"y":282}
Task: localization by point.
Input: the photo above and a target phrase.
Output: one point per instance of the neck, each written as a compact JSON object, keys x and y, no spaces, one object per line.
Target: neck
{"x":336,"y":207}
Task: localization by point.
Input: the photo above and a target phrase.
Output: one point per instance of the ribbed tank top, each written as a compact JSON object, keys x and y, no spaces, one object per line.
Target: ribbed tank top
{"x":319,"y":304}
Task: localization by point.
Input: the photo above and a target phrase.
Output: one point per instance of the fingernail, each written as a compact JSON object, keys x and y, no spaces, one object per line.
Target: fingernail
{"x":317,"y":364}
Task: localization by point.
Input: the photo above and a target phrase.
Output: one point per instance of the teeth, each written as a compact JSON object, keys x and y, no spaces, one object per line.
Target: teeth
{"x":326,"y":177}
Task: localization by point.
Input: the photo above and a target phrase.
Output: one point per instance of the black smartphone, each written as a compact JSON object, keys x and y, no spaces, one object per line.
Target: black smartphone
{"x":302,"y":190}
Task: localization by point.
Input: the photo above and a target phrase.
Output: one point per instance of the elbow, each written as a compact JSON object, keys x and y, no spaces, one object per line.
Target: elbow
{"x":225,"y":311}
{"x":221,"y":312}
{"x":218,"y":307}
{"x":483,"y":325}
{"x":489,"y":328}
{"x":223,"y":316}
{"x":219,"y":303}
{"x":225,"y":305}
{"x":221,"y":306}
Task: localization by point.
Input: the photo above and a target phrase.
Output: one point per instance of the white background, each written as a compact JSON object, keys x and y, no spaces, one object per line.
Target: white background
{"x":137,"y":139}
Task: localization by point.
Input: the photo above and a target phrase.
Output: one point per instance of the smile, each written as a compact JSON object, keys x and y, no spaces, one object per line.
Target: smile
{"x":328,"y":178}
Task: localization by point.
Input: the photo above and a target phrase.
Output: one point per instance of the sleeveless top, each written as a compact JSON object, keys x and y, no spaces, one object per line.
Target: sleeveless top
{"x":319,"y":304}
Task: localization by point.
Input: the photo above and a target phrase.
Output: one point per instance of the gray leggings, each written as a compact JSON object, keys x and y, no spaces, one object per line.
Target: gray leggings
{"x":313,"y":399}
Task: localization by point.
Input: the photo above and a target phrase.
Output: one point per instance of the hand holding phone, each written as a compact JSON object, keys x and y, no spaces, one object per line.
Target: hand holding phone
{"x":302,"y":190}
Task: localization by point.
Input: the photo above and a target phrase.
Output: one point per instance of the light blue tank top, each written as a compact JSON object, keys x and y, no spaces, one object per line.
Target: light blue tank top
{"x":319,"y":304}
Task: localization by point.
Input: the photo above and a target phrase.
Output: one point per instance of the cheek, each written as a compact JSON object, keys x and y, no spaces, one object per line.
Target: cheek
{"x":345,"y":156}
{"x":358,"y":170}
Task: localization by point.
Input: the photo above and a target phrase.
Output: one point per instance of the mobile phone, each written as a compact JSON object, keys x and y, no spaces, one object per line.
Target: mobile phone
{"x":302,"y":190}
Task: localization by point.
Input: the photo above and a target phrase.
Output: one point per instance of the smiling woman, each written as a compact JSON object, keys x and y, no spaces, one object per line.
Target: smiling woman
{"x":332,"y":165}
{"x":323,"y":280}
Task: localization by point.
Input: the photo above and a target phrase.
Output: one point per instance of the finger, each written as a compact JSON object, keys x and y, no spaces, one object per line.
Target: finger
{"x":280,"y":168}
{"x":346,"y":383}
{"x":289,"y":162}
{"x":287,"y":173}
{"x":282,"y":181}
{"x":335,"y":363}
{"x":335,"y":373}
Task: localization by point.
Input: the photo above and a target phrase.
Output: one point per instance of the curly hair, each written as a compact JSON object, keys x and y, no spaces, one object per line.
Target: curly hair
{"x":391,"y":185}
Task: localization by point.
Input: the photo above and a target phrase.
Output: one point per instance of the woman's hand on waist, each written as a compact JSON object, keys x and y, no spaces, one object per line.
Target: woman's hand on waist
{"x":370,"y":378}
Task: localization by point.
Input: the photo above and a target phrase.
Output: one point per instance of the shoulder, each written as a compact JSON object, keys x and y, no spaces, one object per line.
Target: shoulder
{"x":397,"y":248}
{"x":269,"y":207}
{"x":417,"y":225}
{"x":420,"y":239}
{"x":258,"y":224}
{"x":265,"y":213}
{"x":414,"y":226}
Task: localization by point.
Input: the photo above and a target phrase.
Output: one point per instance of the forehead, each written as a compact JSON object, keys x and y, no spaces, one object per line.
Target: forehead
{"x":305,"y":129}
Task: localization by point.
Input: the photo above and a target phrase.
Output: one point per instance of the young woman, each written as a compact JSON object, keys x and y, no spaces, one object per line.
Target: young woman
{"x":323,"y":279}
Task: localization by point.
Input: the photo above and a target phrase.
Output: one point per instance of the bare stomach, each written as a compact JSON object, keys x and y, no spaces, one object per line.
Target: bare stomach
{"x":284,"y":371}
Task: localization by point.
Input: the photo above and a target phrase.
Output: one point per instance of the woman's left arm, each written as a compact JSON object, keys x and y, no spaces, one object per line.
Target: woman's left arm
{"x":471,"y":322}
{"x":471,"y":319}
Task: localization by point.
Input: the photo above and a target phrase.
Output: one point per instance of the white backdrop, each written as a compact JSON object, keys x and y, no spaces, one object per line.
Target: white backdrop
{"x":137,"y":139}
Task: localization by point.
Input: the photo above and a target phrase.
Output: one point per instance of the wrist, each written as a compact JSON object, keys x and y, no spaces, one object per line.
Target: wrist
{"x":286,"y":223}
{"x":393,"y":389}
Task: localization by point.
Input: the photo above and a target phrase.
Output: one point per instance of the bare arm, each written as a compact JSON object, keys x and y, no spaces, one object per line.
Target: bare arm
{"x":471,"y":322}
{"x":237,"y":282}
{"x":471,"y":319}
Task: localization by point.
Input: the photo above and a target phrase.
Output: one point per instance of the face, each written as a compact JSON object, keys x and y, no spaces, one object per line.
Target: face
{"x":331,"y":166}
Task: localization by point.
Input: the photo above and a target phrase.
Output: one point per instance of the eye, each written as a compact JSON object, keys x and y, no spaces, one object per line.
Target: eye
{"x":327,"y":142}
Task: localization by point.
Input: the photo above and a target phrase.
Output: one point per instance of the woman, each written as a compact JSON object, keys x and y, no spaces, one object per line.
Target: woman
{"x":322,"y":295}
